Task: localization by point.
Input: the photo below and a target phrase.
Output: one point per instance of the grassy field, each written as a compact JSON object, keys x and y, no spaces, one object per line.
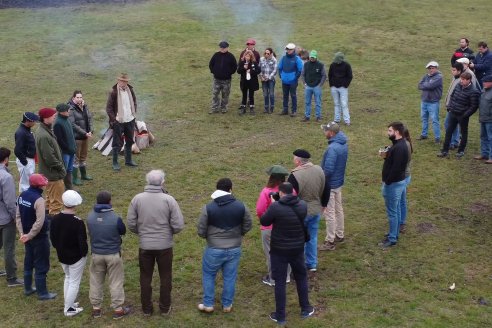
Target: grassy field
{"x":165,"y":46}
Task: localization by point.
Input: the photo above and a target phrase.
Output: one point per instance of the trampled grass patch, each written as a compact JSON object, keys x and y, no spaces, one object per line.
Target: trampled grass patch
{"x":165,"y":46}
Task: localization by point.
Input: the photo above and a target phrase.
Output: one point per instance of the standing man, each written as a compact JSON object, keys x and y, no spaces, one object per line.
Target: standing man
{"x":223,"y":222}
{"x":466,"y":68}
{"x":463,"y":52}
{"x":393,"y":176}
{"x":289,"y":70}
{"x":286,"y":248}
{"x":50,"y":160}
{"x":25,"y":149}
{"x":463,"y":104}
{"x":222,"y":65}
{"x":334,"y":163}
{"x":483,"y":62}
{"x":105,"y":231}
{"x":33,"y":230}
{"x":485,"y":118}
{"x":7,"y":219}
{"x":155,"y":216}
{"x":121,"y":109}
{"x":456,"y":71}
{"x":66,"y":140}
{"x":308,"y":181}
{"x":431,"y":87}
{"x":313,"y":76}
{"x":339,"y":78}
{"x":81,"y":120}
{"x":250,"y":45}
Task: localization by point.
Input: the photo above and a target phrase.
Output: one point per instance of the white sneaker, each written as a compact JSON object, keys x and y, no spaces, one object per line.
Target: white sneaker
{"x":73,"y":311}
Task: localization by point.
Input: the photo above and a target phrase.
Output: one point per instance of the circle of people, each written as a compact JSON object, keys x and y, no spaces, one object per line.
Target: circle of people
{"x":289,"y":207}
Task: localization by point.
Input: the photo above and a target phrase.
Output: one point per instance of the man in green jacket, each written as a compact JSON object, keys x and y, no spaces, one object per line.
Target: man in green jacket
{"x":66,"y":141}
{"x":50,"y":160}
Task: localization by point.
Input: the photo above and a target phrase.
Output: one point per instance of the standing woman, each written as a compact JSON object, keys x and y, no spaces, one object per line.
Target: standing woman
{"x":277,"y":175}
{"x":408,"y":178}
{"x":248,"y":69}
{"x":268,"y":66}
{"x":81,"y":120}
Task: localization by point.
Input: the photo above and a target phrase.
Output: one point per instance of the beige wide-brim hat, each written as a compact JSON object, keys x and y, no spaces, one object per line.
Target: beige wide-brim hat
{"x":123,"y":77}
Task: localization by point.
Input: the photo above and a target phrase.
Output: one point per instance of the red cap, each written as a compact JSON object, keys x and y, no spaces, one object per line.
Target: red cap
{"x":37,"y":180}
{"x":46,"y":112}
{"x":251,"y":41}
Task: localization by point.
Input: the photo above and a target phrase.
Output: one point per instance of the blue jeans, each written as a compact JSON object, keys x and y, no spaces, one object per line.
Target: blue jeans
{"x":279,"y":273}
{"x":403,"y":216}
{"x":455,"y":137}
{"x":308,"y":94}
{"x":268,"y":88}
{"x":311,"y":247}
{"x":430,"y":109}
{"x":286,"y":90}
{"x":486,"y":139}
{"x":68,"y":161}
{"x":340,"y":100}
{"x":37,"y":258}
{"x":215,"y":259}
{"x":393,"y":195}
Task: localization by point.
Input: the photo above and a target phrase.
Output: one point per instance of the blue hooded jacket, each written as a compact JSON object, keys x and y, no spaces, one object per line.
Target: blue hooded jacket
{"x":334,"y":160}
{"x":290,"y":68}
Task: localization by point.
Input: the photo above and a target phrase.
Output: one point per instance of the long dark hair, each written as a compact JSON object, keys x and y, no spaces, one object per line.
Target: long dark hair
{"x":275,"y":180}
{"x":406,"y":135}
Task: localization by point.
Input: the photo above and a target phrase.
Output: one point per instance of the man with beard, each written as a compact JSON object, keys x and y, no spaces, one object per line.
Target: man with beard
{"x":463,"y":52}
{"x":50,"y":160}
{"x":393,"y":176}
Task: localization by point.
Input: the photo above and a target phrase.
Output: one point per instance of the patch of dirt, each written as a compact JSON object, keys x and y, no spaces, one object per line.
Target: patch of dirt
{"x":56,"y":3}
{"x":480,"y":208}
{"x":426,"y":227}
{"x":370,"y":110}
{"x":452,"y":215}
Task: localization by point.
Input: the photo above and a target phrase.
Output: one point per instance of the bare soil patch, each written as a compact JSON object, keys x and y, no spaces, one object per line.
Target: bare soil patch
{"x":56,"y":3}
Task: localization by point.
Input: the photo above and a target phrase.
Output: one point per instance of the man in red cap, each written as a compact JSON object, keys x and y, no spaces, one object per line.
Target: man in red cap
{"x":250,"y":45}
{"x":33,"y":230}
{"x":50,"y":160}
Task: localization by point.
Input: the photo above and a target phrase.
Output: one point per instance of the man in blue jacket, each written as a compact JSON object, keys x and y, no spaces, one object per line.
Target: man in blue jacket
{"x":431,"y":87}
{"x":289,"y":70}
{"x":482,"y":64}
{"x":333,"y":164}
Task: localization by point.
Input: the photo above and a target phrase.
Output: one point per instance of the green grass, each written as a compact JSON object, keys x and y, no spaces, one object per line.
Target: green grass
{"x":165,"y":46}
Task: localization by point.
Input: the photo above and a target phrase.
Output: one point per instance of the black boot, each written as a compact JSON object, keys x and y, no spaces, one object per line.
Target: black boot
{"x":116,"y":166}
{"x":128,"y":156}
{"x":28,"y":289}
{"x":67,"y":180}
{"x":43,"y":293}
{"x":83,"y":173}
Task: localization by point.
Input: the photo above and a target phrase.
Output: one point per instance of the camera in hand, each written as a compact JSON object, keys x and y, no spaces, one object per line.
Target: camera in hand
{"x":275,"y":195}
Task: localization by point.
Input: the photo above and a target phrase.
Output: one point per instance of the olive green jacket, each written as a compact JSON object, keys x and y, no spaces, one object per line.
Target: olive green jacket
{"x":49,"y":154}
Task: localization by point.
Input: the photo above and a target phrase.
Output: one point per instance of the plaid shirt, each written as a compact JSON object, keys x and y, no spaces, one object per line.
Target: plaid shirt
{"x":268,"y":67}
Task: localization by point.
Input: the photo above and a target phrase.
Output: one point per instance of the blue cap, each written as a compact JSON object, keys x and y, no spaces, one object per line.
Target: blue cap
{"x":31,"y":117}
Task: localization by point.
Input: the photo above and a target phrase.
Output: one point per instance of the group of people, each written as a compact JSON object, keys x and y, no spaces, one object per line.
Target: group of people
{"x":294,"y":64}
{"x":469,"y":91}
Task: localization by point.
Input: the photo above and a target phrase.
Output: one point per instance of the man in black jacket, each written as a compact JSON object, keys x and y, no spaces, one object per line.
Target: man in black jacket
{"x":393,"y":177}
{"x":25,"y":149}
{"x":287,"y":247}
{"x":462,"y":105}
{"x":222,"y":65}
{"x":339,"y":78}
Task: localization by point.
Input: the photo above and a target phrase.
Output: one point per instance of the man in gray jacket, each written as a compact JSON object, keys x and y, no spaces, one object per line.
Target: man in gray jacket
{"x":431,"y":87}
{"x":155,"y":216}
{"x":7,"y":219}
{"x":223,"y":222}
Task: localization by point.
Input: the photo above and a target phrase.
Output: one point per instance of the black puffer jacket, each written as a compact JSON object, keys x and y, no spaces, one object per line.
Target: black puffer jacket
{"x":464,"y":100}
{"x":288,"y":231}
{"x":81,"y":120}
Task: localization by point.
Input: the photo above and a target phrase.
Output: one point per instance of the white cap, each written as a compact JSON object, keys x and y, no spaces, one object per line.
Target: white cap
{"x":464,"y":61}
{"x":71,"y":198}
{"x":433,"y":64}
{"x":290,"y":46}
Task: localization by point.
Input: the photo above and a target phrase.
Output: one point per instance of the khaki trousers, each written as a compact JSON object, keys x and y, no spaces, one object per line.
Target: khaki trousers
{"x":112,"y":266}
{"x":81,"y":152}
{"x":54,"y":192}
{"x":334,"y":216}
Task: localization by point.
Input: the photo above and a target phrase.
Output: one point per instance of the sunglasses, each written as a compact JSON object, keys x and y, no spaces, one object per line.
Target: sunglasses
{"x":250,"y":44}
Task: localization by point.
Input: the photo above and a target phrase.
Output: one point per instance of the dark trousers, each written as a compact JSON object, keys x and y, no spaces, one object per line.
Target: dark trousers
{"x":37,"y":257}
{"x":454,"y":121}
{"x":292,"y":90}
{"x":147,"y":260}
{"x":8,"y":241}
{"x":279,"y":273}
{"x":127,"y":129}
{"x":248,"y":91}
